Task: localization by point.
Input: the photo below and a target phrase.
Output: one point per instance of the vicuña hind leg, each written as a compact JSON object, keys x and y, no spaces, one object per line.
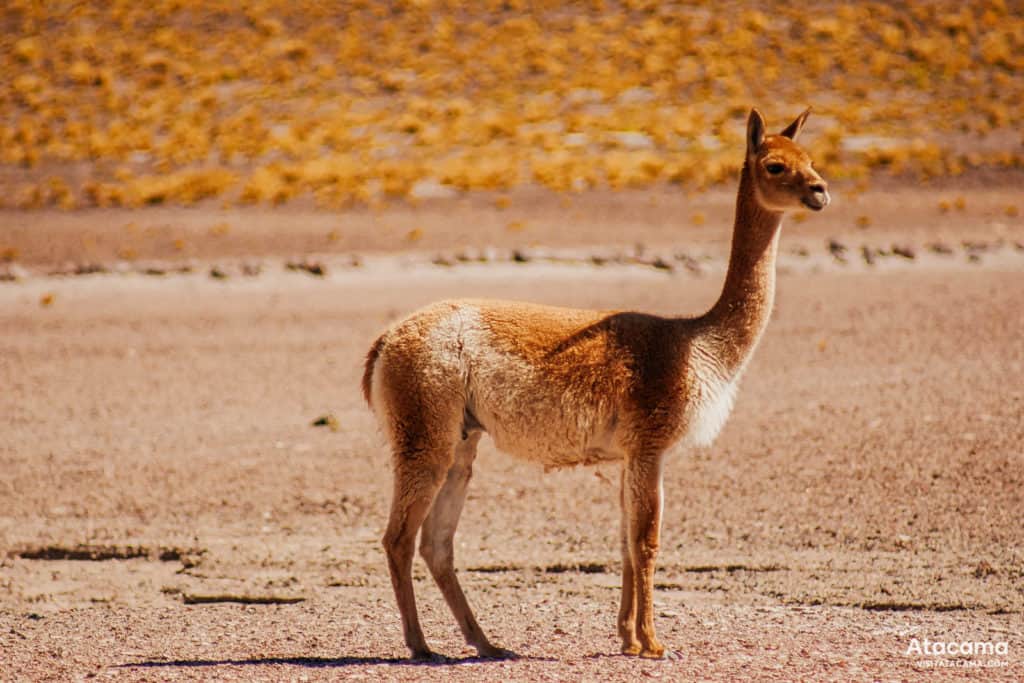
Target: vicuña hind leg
{"x":642,"y":494}
{"x":437,"y":545}
{"x":414,"y":491}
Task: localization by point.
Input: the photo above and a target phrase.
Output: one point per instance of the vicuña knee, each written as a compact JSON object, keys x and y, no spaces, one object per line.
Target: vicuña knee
{"x":436,"y":554}
{"x":396,"y":546}
{"x":646,"y":550}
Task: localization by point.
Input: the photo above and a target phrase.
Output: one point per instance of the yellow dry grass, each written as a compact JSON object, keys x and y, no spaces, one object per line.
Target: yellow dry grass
{"x":356,"y":102}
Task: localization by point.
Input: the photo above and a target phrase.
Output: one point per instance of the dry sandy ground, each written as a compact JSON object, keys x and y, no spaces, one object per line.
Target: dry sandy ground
{"x":867,"y":491}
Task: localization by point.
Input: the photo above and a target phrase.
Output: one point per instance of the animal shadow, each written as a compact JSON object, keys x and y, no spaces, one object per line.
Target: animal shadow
{"x":316,"y":662}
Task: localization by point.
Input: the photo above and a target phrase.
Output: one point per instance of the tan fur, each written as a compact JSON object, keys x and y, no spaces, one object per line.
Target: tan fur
{"x":566,"y":387}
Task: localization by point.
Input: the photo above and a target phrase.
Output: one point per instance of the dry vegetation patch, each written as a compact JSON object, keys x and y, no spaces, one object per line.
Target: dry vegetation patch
{"x":128,"y":104}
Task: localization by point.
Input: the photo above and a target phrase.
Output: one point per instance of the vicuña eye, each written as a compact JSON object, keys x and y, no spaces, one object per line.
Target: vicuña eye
{"x":775,"y":168}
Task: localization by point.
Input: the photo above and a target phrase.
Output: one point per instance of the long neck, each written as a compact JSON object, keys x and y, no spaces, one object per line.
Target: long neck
{"x":740,"y":315}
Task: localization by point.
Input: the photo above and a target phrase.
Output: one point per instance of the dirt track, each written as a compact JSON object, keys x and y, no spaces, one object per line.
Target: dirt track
{"x":868,"y":489}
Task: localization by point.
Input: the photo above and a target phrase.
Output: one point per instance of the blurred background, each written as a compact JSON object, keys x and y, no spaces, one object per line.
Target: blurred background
{"x":343,"y":104}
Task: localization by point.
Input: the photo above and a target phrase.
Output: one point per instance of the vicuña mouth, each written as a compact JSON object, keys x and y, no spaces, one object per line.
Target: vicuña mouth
{"x":815,"y":202}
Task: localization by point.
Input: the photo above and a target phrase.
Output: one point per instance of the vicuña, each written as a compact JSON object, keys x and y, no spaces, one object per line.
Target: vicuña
{"x":563,"y":386}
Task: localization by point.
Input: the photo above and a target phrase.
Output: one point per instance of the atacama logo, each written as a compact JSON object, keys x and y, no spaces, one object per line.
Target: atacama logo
{"x":956,"y":649}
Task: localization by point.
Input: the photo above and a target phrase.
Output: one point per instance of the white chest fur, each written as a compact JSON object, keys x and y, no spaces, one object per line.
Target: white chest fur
{"x":708,"y":413}
{"x":711,"y":400}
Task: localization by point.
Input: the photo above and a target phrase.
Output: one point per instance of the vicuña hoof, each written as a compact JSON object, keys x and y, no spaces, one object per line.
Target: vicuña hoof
{"x":631,"y":649}
{"x":494,"y":652}
{"x":653,"y":651}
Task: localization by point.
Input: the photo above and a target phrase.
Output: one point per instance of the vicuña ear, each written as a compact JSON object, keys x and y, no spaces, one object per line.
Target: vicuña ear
{"x":755,"y":131}
{"x":793,"y":129}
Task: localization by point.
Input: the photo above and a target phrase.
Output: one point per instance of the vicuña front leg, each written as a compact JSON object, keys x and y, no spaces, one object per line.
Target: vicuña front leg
{"x":627,"y":607}
{"x":437,"y":546}
{"x":642,"y":494}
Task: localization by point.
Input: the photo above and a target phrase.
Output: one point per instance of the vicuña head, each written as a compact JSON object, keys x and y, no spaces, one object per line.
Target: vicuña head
{"x":782,"y":173}
{"x":567,"y":387}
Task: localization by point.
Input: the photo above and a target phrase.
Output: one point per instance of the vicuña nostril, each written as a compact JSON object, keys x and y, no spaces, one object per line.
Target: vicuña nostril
{"x":818,"y":188}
